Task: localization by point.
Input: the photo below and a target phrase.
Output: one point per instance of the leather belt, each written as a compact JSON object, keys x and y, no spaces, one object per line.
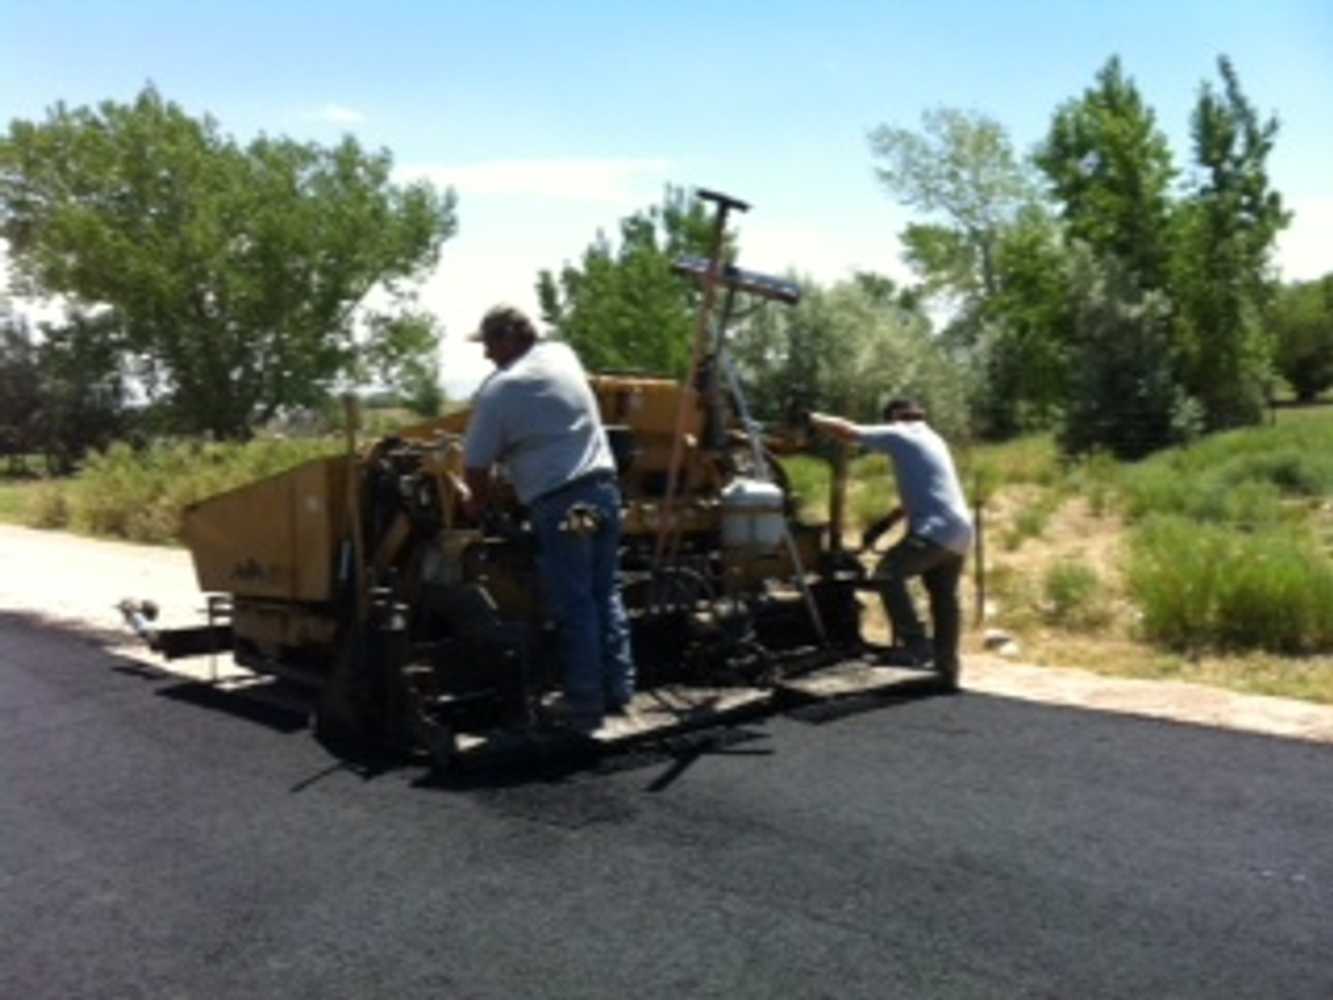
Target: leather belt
{"x":587,"y":479}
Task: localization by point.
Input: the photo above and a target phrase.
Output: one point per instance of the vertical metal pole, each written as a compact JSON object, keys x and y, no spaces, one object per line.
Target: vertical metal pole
{"x":666,"y":520}
{"x":979,"y":570}
{"x":761,"y":467}
{"x":350,"y":410}
{"x":838,"y":498}
{"x":213,"y":640}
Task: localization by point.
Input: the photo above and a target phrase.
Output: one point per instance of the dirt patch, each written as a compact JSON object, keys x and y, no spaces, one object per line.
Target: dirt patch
{"x":65,"y":579}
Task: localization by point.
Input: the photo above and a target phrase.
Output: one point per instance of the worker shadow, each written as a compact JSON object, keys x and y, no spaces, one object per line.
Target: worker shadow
{"x":129,"y":657}
{"x":674,"y":755}
{"x":822,"y":712}
{"x":575,"y":791}
{"x":583,"y":759}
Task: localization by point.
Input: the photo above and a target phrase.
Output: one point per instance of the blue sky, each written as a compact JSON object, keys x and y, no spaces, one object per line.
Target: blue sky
{"x":552,"y":120}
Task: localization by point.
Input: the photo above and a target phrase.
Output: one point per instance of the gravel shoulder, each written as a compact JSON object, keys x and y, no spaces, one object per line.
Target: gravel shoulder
{"x":67,"y":581}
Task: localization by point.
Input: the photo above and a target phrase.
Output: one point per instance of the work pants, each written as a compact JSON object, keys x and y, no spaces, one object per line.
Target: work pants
{"x":579,"y":578}
{"x":940,"y":570}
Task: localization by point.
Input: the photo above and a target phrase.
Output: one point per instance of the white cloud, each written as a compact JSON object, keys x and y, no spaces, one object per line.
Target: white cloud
{"x":603,"y":181}
{"x":1304,"y":250}
{"x":497,"y":254}
{"x":517,"y":217}
{"x":826,"y":253}
{"x":473,"y":276}
{"x":337,"y":114}
{"x":51,"y":309}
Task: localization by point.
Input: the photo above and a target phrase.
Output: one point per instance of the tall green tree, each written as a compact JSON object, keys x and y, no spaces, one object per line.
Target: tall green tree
{"x":961,"y":170}
{"x":62,"y":389}
{"x":1206,"y":252}
{"x":846,"y":348}
{"x":622,"y":307}
{"x":1222,"y":275}
{"x":84,"y":398}
{"x":992,"y":252}
{"x":1123,"y":393}
{"x":232,"y":274}
{"x":403,"y":356}
{"x":1019,"y":356}
{"x":1110,"y":169}
{"x":1302,"y":322}
{"x":20,"y":388}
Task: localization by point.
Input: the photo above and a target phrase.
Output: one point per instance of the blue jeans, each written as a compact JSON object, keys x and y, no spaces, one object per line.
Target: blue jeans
{"x":578,"y":574}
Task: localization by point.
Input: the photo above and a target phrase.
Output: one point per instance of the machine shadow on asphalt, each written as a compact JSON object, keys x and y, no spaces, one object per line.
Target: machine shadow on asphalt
{"x":674,"y":754}
{"x":279,"y":708}
{"x":199,"y":694}
{"x":108,"y":639}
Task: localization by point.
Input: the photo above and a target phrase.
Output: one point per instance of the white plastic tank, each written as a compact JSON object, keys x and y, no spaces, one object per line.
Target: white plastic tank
{"x":752,"y":515}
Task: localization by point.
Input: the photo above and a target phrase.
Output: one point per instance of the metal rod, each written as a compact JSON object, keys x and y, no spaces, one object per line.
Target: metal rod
{"x":838,"y":497}
{"x":761,"y":465}
{"x":666,"y":519}
{"x":979,"y":567}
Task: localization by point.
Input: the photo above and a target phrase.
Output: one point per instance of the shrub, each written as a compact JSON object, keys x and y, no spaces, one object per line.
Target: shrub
{"x":140,"y":494}
{"x":1243,"y":488}
{"x":1073,"y":595}
{"x":1292,"y":471}
{"x":1204,"y":585}
{"x":49,"y":507}
{"x":1029,"y":459}
{"x":1013,"y":594}
{"x":1098,"y":477}
{"x":1031,"y":520}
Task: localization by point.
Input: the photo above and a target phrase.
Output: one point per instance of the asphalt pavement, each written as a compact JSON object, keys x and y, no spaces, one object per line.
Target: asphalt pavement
{"x":160,"y":840}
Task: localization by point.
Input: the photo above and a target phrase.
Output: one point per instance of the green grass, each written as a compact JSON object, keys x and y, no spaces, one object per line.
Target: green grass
{"x":870,"y":487}
{"x":1227,"y":550}
{"x":809,"y":480}
{"x":985,"y":468}
{"x":1240,"y":477}
{"x":872,"y":492}
{"x":17,"y":497}
{"x":1032,"y":519}
{"x":1014,"y":595}
{"x":1099,"y":478}
{"x":1229,"y":570}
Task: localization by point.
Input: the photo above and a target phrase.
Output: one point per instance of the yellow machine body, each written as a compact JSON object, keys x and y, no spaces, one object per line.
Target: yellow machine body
{"x":275,"y":538}
{"x":362,"y":576}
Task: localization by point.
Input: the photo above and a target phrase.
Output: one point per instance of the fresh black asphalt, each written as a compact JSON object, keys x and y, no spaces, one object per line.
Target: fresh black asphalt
{"x":159,"y":841}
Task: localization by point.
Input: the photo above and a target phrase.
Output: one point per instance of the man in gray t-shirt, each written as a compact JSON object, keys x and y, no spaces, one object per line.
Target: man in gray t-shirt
{"x":939,"y":531}
{"x":537,"y":416}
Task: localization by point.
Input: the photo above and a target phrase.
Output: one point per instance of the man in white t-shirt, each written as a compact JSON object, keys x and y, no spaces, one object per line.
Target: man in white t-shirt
{"x":537,"y":416}
{"x":939,"y":531}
